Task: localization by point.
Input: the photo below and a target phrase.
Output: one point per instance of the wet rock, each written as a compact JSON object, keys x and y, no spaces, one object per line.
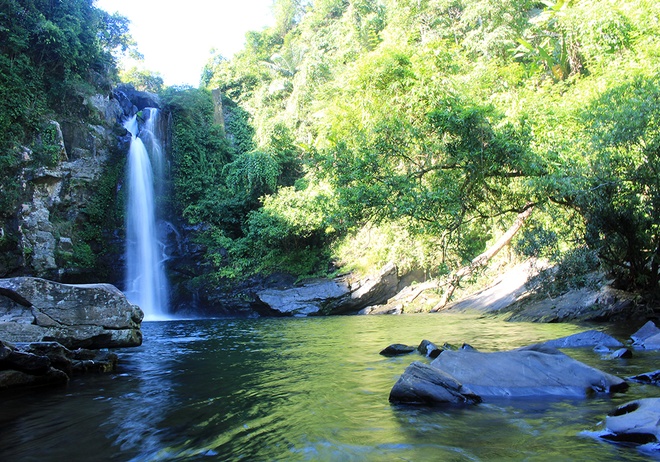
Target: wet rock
{"x":590,"y":338}
{"x":423,"y":384}
{"x":652,"y":378}
{"x":26,"y":362}
{"x":48,"y":363}
{"x":128,"y":96}
{"x":17,"y":379}
{"x":634,"y":422}
{"x":93,"y":316}
{"x":429,"y":349}
{"x":529,"y":372}
{"x":648,"y":337}
{"x":397,"y":349}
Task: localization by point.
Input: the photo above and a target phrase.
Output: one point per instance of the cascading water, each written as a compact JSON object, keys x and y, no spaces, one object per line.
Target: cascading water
{"x":146,"y":284}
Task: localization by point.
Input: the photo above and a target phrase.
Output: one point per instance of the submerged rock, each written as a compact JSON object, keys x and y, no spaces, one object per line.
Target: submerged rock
{"x":634,"y":422}
{"x":90,"y":316}
{"x":423,"y":384}
{"x":621,"y":353}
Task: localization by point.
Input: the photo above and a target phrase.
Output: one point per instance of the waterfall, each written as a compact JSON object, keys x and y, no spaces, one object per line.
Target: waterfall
{"x":146,"y":284}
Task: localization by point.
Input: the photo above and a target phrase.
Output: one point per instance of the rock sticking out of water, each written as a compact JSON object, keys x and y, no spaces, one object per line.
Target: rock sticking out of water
{"x":429,"y":349}
{"x":634,"y":422}
{"x":529,"y":372}
{"x":423,"y":384}
{"x":397,"y":349}
{"x":648,"y":337}
{"x":24,"y":365}
{"x":92,"y":316}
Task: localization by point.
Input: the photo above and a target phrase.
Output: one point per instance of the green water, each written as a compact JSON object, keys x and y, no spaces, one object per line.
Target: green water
{"x":304,"y":390}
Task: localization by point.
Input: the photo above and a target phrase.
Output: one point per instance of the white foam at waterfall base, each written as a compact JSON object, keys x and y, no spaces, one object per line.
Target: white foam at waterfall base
{"x":145,"y":284}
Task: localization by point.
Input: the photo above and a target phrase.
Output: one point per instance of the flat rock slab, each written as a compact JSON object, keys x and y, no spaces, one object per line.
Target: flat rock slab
{"x":90,"y":316}
{"x":590,"y":338}
{"x":524,"y":373}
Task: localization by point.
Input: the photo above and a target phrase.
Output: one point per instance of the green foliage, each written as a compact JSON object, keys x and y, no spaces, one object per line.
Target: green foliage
{"x":142,"y":79}
{"x":429,"y":125}
{"x":52,"y":55}
{"x":240,"y":132}
{"x":199,"y":151}
{"x":289,"y":232}
{"x":622,"y":205}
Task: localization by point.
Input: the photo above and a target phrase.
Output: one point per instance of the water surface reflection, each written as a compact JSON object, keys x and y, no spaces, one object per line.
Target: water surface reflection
{"x":303,"y":389}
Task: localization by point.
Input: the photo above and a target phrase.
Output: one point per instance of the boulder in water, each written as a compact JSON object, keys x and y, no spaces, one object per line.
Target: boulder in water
{"x":423,"y":384}
{"x":429,"y":349}
{"x":90,"y":316}
{"x":634,"y":422}
{"x":526,"y":372}
{"x":648,"y":337}
{"x":48,"y":363}
{"x":590,"y":338}
{"x":530,"y":372}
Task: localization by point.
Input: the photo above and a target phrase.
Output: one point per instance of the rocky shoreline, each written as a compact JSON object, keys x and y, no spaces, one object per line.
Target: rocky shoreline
{"x":51,"y":331}
{"x":464,"y":376}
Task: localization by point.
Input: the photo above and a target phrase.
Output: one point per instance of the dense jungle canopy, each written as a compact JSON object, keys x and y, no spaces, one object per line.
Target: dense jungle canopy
{"x":359,"y":132}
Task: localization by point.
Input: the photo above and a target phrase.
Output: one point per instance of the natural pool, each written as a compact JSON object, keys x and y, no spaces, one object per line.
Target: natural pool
{"x":305,"y":389}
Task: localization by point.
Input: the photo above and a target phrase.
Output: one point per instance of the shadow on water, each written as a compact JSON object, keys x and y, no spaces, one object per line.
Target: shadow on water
{"x":303,"y":389}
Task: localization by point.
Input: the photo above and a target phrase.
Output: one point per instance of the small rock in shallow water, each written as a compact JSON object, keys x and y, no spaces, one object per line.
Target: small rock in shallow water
{"x":397,"y":349}
{"x":621,"y":353}
{"x":429,"y":349}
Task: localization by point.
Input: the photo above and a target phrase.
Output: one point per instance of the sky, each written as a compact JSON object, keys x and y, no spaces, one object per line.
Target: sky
{"x":176,"y":37}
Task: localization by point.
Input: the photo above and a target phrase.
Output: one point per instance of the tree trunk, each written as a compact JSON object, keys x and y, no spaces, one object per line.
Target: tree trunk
{"x":482,"y":259}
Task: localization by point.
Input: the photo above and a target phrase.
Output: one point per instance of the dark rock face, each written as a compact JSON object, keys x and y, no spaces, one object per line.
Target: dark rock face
{"x":48,"y":364}
{"x":634,"y":422}
{"x":91,"y":316}
{"x":129,"y":97}
{"x":332,"y":296}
